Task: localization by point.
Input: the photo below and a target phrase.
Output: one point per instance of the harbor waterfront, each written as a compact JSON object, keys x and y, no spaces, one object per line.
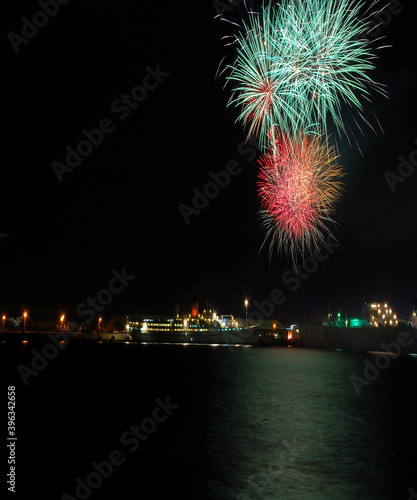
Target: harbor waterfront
{"x":395,"y":340}
{"x":253,"y":409}
{"x":381,"y":330}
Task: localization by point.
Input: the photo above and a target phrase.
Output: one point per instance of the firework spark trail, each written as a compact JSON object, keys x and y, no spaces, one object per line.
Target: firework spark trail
{"x":299,"y":185}
{"x":301,"y":67}
{"x":299,"y":63}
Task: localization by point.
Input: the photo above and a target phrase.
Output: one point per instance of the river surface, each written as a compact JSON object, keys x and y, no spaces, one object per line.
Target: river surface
{"x":241,"y":423}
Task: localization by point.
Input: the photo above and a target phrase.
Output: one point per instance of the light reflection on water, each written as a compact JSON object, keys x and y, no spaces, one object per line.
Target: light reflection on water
{"x":258,"y":422}
{"x":288,"y":424}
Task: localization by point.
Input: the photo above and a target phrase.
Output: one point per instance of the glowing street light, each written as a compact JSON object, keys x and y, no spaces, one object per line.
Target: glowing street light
{"x":4,"y":319}
{"x":24,"y":320}
{"x":99,"y":322}
{"x":246,"y":305}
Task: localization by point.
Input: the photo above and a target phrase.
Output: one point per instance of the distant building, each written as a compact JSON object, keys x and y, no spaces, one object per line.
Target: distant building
{"x":337,"y":321}
{"x":358,"y":323}
{"x":345,"y":322}
{"x":271,"y":328}
{"x":293,"y":333}
{"x":381,"y":314}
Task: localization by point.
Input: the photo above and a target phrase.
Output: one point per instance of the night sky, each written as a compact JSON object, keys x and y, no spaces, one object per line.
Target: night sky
{"x":119,"y":208}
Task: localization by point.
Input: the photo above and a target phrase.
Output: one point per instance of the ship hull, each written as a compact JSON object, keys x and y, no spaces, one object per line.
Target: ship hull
{"x":226,"y":337}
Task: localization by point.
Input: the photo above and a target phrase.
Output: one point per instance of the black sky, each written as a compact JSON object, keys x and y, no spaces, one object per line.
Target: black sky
{"x":119,"y":207}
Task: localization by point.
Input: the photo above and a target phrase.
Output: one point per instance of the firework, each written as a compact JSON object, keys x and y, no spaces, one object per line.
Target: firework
{"x":299,"y":185}
{"x":301,"y":62}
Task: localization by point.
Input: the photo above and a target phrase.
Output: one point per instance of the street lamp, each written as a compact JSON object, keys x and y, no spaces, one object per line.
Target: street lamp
{"x":24,"y":320}
{"x":62,"y":319}
{"x":4,"y":319}
{"x":99,"y":321}
{"x":246,"y":305}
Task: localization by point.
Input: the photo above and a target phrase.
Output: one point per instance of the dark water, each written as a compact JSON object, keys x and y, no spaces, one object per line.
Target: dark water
{"x":273,"y":423}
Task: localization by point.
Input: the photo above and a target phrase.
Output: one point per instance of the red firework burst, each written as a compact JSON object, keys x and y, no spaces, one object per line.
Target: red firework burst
{"x":299,"y":186}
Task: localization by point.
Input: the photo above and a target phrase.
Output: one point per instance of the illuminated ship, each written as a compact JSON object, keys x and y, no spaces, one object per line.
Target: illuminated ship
{"x":207,"y":327}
